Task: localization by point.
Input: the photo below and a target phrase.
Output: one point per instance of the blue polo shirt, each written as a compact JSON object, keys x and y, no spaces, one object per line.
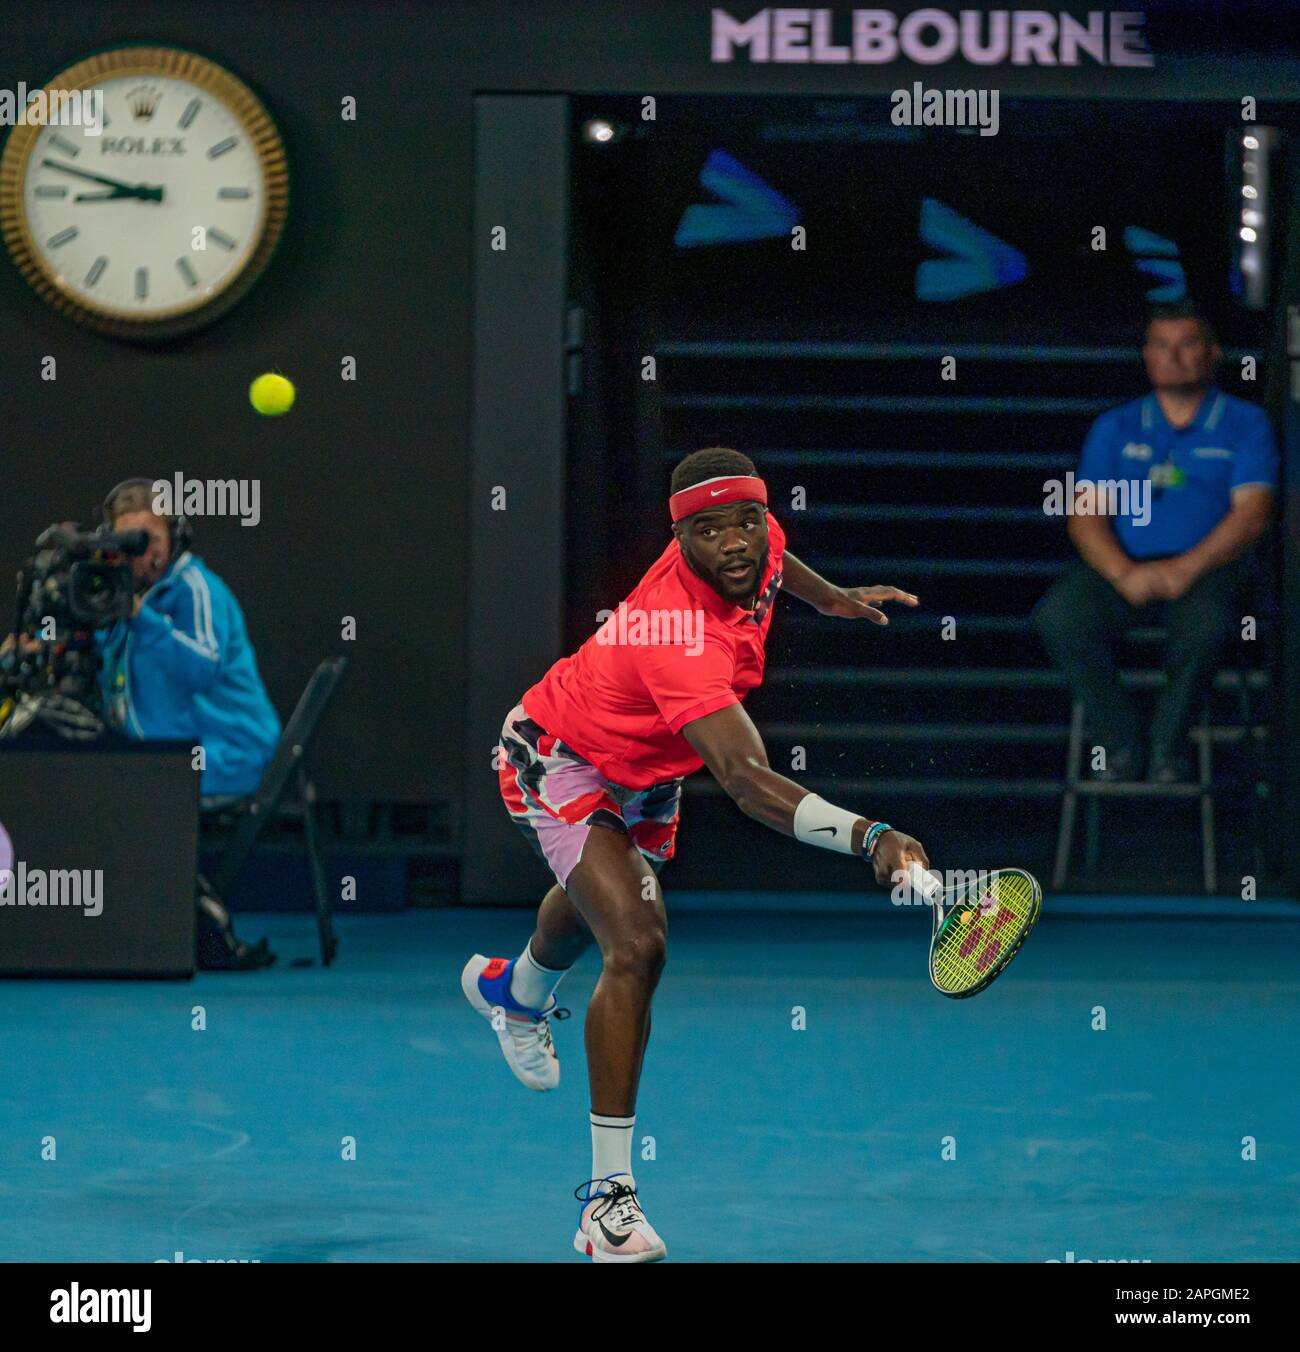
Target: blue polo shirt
{"x":1191,"y":470}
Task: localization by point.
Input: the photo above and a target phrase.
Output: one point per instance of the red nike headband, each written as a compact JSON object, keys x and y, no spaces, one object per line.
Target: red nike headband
{"x":716,"y":493}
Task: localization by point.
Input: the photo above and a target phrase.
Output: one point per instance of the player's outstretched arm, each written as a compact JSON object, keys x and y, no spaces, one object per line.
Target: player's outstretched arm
{"x":728,"y":743}
{"x":849,"y":603}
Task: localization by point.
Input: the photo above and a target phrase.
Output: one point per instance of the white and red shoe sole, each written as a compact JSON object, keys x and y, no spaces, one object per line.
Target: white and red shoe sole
{"x":585,"y":1246}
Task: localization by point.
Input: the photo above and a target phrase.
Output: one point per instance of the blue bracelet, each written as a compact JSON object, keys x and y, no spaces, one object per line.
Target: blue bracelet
{"x":874,"y":832}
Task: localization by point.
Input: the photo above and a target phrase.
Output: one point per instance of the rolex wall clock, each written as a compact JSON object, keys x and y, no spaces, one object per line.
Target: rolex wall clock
{"x":158,"y":216}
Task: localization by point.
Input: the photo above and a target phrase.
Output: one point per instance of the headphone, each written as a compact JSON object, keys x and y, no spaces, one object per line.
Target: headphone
{"x":178,"y":527}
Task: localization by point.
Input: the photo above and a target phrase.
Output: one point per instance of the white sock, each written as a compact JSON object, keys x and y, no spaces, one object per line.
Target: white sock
{"x":611,"y":1148}
{"x":531,"y":983}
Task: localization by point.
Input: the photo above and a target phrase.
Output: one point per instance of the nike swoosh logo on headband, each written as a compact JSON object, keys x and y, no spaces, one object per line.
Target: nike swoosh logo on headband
{"x":713,"y":492}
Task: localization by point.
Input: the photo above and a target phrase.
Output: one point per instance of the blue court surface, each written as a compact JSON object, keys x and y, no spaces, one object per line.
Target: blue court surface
{"x":769,"y":1143}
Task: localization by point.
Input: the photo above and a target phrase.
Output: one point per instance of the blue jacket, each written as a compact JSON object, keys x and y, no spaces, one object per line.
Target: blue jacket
{"x":184,"y":669}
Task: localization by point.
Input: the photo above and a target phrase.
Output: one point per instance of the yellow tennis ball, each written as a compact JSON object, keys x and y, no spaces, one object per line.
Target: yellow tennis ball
{"x":271,"y":395}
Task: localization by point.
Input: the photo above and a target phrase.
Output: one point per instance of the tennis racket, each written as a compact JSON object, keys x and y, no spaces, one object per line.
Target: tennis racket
{"x":986,"y":921}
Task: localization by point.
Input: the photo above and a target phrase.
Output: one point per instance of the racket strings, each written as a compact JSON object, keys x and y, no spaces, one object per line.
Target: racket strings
{"x":983,"y":929}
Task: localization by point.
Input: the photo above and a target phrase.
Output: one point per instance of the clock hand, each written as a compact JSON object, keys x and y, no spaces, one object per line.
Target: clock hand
{"x":82,"y":173}
{"x":142,"y":193}
{"x":122,"y":189}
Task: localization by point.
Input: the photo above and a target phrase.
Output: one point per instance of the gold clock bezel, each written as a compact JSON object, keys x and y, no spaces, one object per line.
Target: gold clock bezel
{"x":148,"y":62}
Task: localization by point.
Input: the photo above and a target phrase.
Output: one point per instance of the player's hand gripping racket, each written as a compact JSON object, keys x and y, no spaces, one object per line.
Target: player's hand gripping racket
{"x":986,"y":921}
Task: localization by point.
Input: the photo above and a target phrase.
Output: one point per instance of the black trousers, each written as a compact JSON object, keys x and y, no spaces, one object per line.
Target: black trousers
{"x":1082,"y":620}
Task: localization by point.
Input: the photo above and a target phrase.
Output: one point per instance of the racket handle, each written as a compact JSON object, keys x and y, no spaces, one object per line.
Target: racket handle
{"x":928,"y":885}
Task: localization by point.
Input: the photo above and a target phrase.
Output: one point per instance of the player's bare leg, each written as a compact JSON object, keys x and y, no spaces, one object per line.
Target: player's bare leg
{"x":562,"y":936}
{"x":616,"y":893}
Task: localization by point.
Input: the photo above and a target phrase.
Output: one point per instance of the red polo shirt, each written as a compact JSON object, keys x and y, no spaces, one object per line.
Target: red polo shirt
{"x":672,"y":652}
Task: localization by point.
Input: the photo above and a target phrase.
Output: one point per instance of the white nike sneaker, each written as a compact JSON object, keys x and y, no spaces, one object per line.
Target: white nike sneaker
{"x":612,"y":1228}
{"x":524,"y":1034}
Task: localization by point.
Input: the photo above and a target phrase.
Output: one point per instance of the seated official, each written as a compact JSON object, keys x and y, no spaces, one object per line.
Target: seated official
{"x":183,"y":667}
{"x":1201,"y":468}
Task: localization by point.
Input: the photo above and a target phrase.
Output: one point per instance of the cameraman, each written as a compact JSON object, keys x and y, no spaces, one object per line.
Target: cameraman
{"x":183,"y":667}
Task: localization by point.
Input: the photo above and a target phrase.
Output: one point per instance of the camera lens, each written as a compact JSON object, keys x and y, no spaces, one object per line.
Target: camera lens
{"x":100,"y":593}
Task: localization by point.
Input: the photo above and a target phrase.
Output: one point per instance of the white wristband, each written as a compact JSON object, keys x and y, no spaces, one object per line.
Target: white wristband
{"x":817,"y":822}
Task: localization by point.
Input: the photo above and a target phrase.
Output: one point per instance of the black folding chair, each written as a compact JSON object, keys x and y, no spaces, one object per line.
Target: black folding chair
{"x":1205,"y":734}
{"x":289,"y":766}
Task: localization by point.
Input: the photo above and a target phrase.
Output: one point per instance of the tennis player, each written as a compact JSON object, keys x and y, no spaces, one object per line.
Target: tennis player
{"x":591,"y":765}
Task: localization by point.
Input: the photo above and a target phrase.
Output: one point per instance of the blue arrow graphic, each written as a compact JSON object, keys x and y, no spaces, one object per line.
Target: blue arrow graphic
{"x":983,"y":262}
{"x":750,"y":208}
{"x":1164,"y":266}
{"x":1140,"y":241}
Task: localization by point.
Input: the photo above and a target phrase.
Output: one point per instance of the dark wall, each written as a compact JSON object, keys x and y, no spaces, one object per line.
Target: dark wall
{"x":364,"y":485}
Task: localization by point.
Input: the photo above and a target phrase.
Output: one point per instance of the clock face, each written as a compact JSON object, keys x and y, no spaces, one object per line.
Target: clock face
{"x":162,"y":218}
